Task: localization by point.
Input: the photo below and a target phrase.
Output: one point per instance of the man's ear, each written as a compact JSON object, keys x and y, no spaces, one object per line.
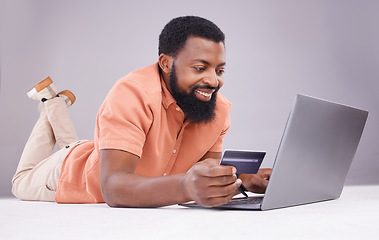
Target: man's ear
{"x":165,"y":63}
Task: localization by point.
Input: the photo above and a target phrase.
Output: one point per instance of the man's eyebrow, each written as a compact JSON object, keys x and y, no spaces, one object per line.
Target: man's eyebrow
{"x":207,"y":63}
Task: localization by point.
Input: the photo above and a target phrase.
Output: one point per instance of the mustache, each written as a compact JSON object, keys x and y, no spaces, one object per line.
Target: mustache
{"x":205,"y":87}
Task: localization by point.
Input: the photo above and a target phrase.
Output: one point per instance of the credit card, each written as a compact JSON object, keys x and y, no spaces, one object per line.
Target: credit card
{"x":246,"y":162}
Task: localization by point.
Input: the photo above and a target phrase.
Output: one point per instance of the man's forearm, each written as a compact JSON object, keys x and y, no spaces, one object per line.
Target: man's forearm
{"x":131,"y":190}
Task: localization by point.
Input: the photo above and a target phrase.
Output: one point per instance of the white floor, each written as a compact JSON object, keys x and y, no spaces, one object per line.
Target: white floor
{"x":354,"y":216}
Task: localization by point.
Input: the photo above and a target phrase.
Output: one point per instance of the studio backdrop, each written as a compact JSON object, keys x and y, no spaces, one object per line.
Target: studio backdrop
{"x":275,"y":49}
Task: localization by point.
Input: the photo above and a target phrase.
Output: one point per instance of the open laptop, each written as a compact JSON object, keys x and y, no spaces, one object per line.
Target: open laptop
{"x":317,"y":147}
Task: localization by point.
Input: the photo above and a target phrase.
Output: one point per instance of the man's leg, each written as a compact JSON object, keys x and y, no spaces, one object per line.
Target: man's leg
{"x":38,"y":171}
{"x":59,"y":119}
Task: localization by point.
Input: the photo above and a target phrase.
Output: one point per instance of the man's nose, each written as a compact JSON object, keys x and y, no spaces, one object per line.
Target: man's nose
{"x":212,"y":79}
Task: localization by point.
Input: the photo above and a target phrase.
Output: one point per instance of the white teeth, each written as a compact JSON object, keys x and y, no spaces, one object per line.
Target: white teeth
{"x":204,"y":93}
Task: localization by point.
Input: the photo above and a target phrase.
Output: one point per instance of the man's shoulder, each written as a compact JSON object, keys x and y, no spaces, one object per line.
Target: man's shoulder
{"x":142,"y":86}
{"x":147,"y":77}
{"x":223,"y":102}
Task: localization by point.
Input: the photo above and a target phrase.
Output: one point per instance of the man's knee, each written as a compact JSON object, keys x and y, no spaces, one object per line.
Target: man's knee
{"x":41,"y":193}
{"x":17,"y":189}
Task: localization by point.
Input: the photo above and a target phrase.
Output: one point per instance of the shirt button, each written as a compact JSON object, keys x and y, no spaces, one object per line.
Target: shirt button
{"x":174,"y":151}
{"x":177,"y":109}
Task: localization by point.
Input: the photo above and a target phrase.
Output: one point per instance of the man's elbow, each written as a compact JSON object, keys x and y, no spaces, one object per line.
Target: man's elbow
{"x":113,"y":193}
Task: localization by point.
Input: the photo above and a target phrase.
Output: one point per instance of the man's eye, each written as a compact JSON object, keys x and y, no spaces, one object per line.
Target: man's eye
{"x":199,"y":69}
{"x":221,"y":71}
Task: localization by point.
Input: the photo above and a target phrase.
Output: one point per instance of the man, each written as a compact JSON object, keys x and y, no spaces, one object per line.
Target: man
{"x":158,"y":136}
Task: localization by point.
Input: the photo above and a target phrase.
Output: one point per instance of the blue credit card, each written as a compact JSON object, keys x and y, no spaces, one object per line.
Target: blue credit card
{"x":246,"y":162}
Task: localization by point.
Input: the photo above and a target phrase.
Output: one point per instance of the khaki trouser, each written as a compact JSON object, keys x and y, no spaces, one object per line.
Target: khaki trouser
{"x":38,"y":171}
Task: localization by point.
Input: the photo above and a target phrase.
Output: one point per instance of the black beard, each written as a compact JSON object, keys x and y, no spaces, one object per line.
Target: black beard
{"x":195,"y":110}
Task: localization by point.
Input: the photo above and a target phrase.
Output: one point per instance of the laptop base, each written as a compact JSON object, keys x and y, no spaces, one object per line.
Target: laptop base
{"x":240,"y":203}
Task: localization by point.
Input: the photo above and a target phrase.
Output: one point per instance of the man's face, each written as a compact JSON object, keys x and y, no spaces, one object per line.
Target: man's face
{"x":196,"y":76}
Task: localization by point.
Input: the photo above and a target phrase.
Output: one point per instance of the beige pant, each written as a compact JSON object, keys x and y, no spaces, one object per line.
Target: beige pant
{"x":38,"y":171}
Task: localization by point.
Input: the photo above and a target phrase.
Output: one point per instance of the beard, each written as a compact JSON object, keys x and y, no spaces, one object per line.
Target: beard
{"x":195,"y":110}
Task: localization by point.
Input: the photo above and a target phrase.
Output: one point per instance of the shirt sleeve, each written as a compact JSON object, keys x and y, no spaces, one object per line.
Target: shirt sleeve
{"x":125,"y":118}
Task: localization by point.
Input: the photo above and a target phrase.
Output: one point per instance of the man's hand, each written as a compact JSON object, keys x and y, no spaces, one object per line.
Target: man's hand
{"x":256,"y":183}
{"x":210,"y":184}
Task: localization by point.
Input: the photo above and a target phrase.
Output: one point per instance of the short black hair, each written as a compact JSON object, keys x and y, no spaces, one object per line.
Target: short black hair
{"x":175,"y":34}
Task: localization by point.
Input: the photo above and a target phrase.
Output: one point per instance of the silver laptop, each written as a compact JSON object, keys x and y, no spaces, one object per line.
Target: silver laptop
{"x":314,"y":156}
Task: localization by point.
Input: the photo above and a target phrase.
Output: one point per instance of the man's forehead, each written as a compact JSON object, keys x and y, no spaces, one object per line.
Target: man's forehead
{"x":206,"y":62}
{"x":203,"y":50}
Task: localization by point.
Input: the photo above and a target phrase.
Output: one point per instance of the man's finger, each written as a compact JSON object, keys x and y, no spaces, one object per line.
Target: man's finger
{"x":222,"y":191}
{"x":218,"y":170}
{"x":222,"y":180}
{"x":265,"y":173}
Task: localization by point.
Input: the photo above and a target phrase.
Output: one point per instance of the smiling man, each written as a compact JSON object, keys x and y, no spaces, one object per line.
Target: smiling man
{"x":158,"y":136}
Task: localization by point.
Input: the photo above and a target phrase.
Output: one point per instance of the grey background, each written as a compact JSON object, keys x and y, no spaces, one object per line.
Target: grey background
{"x":275,"y":49}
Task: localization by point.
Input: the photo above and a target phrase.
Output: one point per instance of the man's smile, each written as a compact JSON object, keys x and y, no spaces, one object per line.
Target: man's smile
{"x":204,"y":95}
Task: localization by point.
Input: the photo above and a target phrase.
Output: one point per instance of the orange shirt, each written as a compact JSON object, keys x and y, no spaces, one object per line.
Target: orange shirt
{"x":140,"y":116}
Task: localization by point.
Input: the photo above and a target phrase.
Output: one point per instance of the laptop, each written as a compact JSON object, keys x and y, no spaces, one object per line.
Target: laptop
{"x":314,"y":156}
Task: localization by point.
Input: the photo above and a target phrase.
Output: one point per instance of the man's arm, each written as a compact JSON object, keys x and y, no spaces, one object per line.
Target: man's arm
{"x":207,"y":183}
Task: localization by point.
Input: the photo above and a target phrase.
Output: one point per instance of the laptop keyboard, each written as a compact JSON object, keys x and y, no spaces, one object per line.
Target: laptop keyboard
{"x":249,"y":200}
